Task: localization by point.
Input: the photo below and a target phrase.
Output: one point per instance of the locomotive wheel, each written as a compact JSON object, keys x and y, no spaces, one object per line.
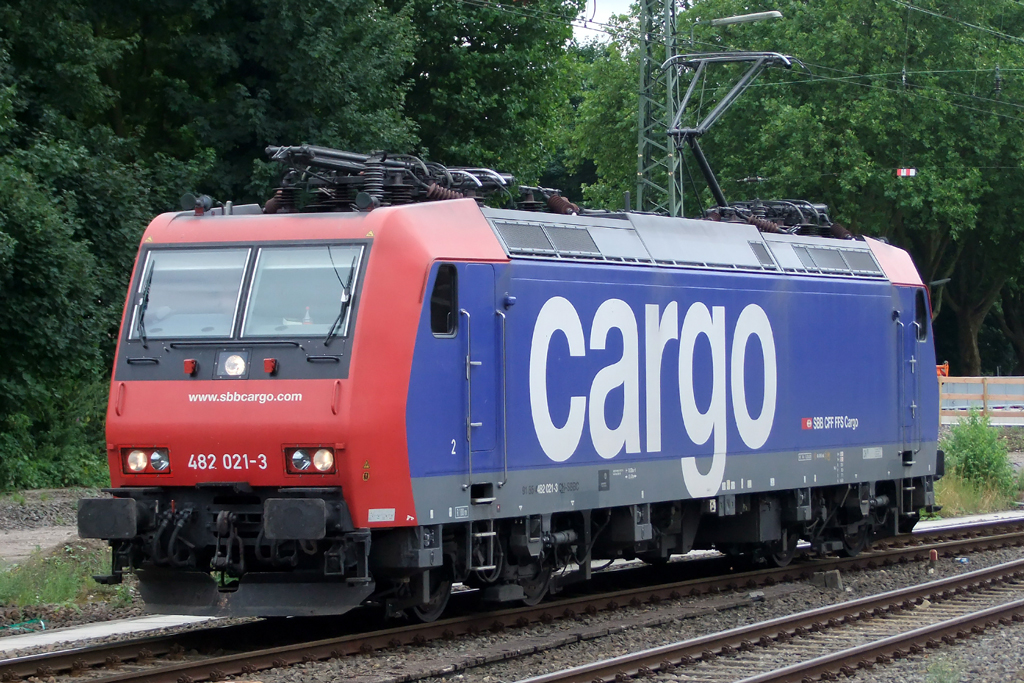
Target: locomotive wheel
{"x":440,"y":592}
{"x":854,"y":544}
{"x":780,"y":553}
{"x":536,"y":588}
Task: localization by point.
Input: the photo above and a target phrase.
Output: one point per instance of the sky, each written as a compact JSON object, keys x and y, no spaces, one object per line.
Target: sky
{"x":599,"y":11}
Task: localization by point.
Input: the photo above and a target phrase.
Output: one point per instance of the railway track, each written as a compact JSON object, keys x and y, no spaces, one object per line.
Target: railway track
{"x":830,"y":641}
{"x":160,"y":659}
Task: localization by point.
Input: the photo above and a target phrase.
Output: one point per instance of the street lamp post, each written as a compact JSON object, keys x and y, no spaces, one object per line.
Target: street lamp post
{"x":677,"y":190}
{"x":657,"y":109}
{"x":738,"y":19}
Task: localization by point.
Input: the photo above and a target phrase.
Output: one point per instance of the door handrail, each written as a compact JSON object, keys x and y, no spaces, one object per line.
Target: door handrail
{"x":902,"y":386}
{"x":504,"y":402}
{"x":469,"y":395}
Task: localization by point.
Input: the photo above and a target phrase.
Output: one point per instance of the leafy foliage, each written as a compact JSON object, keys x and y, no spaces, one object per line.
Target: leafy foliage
{"x":606,"y":118}
{"x":234,"y":76}
{"x":488,"y":80}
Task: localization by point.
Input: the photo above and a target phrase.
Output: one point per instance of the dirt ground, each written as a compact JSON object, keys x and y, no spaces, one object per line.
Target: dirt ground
{"x":17,"y":545}
{"x":37,"y":519}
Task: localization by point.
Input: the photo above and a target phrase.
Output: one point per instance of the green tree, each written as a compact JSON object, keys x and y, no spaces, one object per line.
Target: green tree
{"x":229,"y":77}
{"x":606,"y":118}
{"x":488,"y":80}
{"x":836,"y":128}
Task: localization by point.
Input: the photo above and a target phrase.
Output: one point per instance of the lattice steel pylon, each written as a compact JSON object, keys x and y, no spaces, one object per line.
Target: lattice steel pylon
{"x":659,"y":183}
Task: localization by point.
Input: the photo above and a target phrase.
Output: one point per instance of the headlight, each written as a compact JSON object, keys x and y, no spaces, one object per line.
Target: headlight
{"x":234,"y":365}
{"x":146,"y":460}
{"x":310,"y":460}
{"x":159,"y":461}
{"x":137,"y":460}
{"x":323,"y":460}
{"x":300,"y":460}
{"x":231,"y":365}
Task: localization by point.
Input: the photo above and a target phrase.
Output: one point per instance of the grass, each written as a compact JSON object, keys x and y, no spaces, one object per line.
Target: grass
{"x":943,"y":672}
{"x":62,"y":576}
{"x":959,"y":497}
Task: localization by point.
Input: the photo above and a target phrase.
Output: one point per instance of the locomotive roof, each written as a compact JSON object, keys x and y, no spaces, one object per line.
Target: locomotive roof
{"x":454,"y":229}
{"x":645,"y":239}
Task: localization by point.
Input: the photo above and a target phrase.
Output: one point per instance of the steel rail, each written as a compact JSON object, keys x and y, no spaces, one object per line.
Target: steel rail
{"x":895,"y":647}
{"x":144,"y":650}
{"x":743,"y":638}
{"x":75,"y":660}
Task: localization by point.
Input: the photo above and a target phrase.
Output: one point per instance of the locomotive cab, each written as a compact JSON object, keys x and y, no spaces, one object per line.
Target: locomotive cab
{"x":225,"y":465}
{"x":251,"y":420}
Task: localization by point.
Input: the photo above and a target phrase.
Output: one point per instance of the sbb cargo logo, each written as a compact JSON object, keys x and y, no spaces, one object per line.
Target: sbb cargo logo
{"x":558,"y":315}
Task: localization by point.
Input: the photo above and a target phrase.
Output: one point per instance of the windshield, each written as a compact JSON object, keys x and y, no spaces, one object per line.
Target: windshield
{"x":189,"y":293}
{"x":301,"y":291}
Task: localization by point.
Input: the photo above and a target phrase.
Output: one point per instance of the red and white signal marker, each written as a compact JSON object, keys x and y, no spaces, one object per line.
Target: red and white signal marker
{"x":906,"y":172}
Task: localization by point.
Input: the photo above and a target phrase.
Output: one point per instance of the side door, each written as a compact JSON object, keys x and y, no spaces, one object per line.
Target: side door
{"x":912,"y":326}
{"x":477,"y":315}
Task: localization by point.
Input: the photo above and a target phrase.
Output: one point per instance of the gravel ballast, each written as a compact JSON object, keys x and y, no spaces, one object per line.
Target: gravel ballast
{"x":995,"y":657}
{"x":42,"y":508}
{"x":400,"y":664}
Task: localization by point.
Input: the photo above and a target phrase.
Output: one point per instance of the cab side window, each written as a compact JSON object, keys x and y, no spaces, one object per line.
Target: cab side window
{"x":444,"y":301}
{"x":921,"y":315}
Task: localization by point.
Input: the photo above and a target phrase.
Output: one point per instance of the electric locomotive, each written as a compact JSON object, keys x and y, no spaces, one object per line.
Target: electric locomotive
{"x":376,"y":386}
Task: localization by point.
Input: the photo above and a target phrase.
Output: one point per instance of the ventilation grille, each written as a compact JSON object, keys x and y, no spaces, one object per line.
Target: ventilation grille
{"x":855,"y":262}
{"x":524,"y":238}
{"x":861,"y":261}
{"x":829,"y":260}
{"x":763,"y":257}
{"x":573,"y":240}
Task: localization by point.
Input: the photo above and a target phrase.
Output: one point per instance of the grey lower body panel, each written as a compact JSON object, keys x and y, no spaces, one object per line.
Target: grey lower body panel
{"x":617,"y":482}
{"x":257,"y":595}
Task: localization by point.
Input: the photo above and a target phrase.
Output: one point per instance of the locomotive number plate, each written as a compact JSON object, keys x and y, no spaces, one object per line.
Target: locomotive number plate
{"x":228,"y":461}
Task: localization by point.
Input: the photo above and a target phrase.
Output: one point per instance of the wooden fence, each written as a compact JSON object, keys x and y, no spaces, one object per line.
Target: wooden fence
{"x":1000,"y":398}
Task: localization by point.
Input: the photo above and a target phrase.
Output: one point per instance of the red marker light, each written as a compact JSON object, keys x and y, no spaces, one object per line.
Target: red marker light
{"x":191,"y":365}
{"x":270,"y":365}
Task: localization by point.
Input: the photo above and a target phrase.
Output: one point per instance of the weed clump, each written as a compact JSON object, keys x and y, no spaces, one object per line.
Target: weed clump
{"x":975,"y":453}
{"x":979,"y":477}
{"x":61,"y":577}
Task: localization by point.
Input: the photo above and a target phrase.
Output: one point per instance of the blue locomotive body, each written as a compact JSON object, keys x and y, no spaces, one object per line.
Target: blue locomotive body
{"x":647,"y":361}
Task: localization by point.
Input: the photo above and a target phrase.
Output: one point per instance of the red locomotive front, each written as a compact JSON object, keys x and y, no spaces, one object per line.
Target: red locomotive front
{"x":256,"y":423}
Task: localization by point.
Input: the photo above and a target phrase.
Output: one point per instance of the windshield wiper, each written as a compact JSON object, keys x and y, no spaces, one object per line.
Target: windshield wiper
{"x":142,"y":308}
{"x":345,"y":297}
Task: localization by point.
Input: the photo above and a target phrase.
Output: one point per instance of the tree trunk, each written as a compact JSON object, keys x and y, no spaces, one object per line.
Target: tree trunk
{"x":971,"y":294}
{"x":967,"y":328}
{"x":1011,"y":321}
